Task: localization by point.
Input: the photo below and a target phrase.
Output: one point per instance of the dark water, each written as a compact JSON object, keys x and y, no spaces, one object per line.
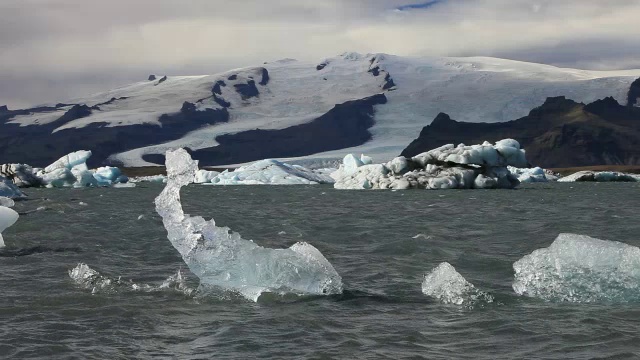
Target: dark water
{"x":368,"y":236}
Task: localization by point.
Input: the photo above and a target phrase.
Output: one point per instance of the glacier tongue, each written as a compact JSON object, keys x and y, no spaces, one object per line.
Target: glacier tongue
{"x":223,"y":259}
{"x":578,"y":268}
{"x":445,"y":284}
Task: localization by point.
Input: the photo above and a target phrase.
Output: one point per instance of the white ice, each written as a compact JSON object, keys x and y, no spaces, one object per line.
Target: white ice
{"x":600,"y":176}
{"x":446,"y":285}
{"x":151,"y":178}
{"x":9,"y":190}
{"x":225,"y":260}
{"x":447,"y":167}
{"x":8,"y":217}
{"x":578,"y":268}
{"x":265,"y":172}
{"x":532,"y":175}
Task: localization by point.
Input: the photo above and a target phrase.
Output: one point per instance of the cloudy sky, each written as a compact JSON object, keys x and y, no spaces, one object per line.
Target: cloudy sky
{"x":52,"y":50}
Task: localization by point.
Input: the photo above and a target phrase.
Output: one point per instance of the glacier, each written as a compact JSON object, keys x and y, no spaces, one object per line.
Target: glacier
{"x":8,"y":217}
{"x":482,"y":166}
{"x":446,"y":285}
{"x":581,"y":269}
{"x":222,"y":259}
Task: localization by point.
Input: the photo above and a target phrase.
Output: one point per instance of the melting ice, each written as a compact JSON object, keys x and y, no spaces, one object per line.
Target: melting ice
{"x":446,"y":285}
{"x":8,"y":217}
{"x":223,"y":259}
{"x":578,"y":268}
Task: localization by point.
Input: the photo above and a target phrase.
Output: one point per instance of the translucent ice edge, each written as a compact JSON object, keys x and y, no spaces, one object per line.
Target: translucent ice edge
{"x":578,"y":268}
{"x":446,"y":285}
{"x":223,"y":259}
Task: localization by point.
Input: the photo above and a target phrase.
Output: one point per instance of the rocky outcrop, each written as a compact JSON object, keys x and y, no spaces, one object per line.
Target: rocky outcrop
{"x":633,"y":98}
{"x":163,"y":79}
{"x":247,"y":90}
{"x":76,"y":112}
{"x":151,"y":78}
{"x":265,"y":77}
{"x":4,"y":108}
{"x":560,"y":133}
{"x":217,"y":87}
{"x":322,"y":65}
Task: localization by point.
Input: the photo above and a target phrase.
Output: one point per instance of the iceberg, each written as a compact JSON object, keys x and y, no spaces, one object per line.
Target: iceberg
{"x":8,"y":217}
{"x":600,"y":176}
{"x":447,"y":167}
{"x":265,"y":172}
{"x":222,"y":259}
{"x":446,"y":285}
{"x":578,"y":268}
{"x":9,"y":190}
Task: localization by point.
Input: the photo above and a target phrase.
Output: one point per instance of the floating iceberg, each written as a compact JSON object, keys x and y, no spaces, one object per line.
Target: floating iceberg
{"x":8,"y":217}
{"x":578,"y":268}
{"x":533,"y":175}
{"x":446,"y":285}
{"x":265,"y":172}
{"x":69,"y":171}
{"x":223,"y":259}
{"x":447,"y":167}
{"x":600,"y":176}
{"x":8,"y":189}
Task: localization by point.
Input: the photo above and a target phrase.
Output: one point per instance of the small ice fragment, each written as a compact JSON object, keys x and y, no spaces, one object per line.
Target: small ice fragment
{"x":6,"y":202}
{"x":140,"y":217}
{"x":445,"y":284}
{"x":82,"y":203}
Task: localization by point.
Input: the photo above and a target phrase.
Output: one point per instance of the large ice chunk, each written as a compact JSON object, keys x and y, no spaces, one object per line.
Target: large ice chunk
{"x":446,"y":285}
{"x":578,"y":268}
{"x":532,"y":175}
{"x":223,"y":259}
{"x":8,"y":217}
{"x":267,"y":172}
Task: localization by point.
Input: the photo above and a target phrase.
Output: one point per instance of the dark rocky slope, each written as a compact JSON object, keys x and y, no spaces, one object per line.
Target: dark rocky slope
{"x":560,"y":133}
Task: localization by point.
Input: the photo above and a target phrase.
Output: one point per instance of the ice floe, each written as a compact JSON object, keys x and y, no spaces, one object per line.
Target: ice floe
{"x":8,"y":217}
{"x":447,"y":167}
{"x":265,"y":172}
{"x":578,"y":268}
{"x":446,"y":285}
{"x":223,"y":259}
{"x":600,"y":176}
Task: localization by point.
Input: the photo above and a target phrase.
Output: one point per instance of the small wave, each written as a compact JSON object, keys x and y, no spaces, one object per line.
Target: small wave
{"x":446,"y":285}
{"x":578,"y":268}
{"x":9,"y":252}
{"x":90,"y":279}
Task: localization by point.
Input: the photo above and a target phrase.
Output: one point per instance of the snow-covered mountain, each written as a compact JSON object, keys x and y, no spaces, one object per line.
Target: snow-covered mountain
{"x":351,"y":103}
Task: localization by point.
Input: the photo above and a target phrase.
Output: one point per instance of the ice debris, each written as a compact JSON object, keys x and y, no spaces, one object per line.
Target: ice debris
{"x":9,"y":189}
{"x":7,"y":202}
{"x":446,"y":285}
{"x":90,"y":279}
{"x":223,"y":259}
{"x":600,"y":176}
{"x":447,"y":167}
{"x":8,"y":217}
{"x":578,"y":268}
{"x":264,"y":172}
{"x":152,"y":179}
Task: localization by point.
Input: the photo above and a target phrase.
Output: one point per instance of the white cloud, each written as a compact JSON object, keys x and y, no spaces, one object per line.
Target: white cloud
{"x":90,"y":38}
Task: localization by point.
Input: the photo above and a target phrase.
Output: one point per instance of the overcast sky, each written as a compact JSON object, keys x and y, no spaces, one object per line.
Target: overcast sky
{"x":52,"y":50}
